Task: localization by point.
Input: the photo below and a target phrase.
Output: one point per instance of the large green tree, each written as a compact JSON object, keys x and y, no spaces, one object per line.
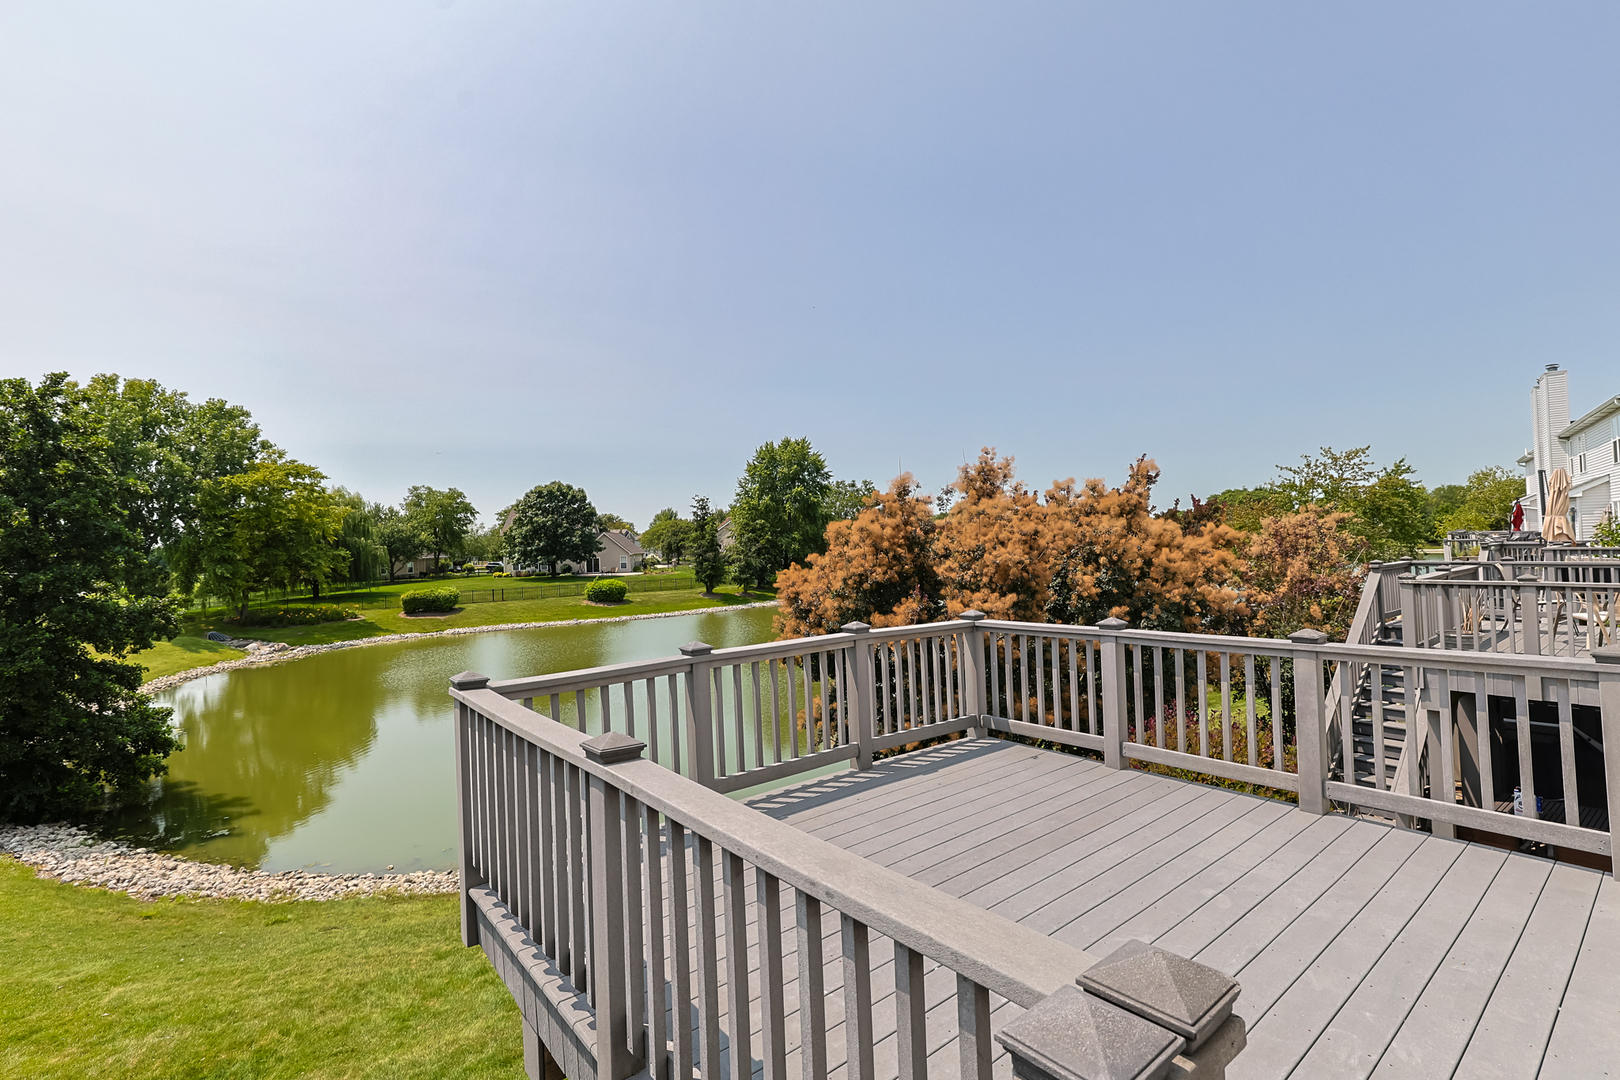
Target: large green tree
{"x":669,"y":535}
{"x":273,"y":526}
{"x":360,"y":537}
{"x":781,"y":506}
{"x":552,"y":524}
{"x":398,"y":536}
{"x":708,"y":561}
{"x":1487,"y":501}
{"x":1387,"y":507}
{"x":443,"y":518}
{"x":169,"y":446}
{"x":77,"y":595}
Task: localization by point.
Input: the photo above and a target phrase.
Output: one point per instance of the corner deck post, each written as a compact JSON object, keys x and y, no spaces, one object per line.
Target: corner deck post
{"x":864,"y":695}
{"x":1310,"y":736}
{"x":699,"y":714}
{"x":971,"y":650}
{"x":1113,"y":693}
{"x":470,"y":878}
{"x":1608,"y":661}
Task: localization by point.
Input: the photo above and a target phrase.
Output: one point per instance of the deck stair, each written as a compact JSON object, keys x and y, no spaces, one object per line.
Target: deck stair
{"x":1391,"y":686}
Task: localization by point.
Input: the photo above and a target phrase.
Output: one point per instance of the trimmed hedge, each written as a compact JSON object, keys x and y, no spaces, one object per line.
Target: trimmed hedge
{"x":294,"y":615}
{"x":420,"y":600}
{"x":606,"y":591}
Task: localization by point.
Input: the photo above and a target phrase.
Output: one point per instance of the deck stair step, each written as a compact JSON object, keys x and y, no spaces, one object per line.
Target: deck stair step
{"x":1391,"y":688}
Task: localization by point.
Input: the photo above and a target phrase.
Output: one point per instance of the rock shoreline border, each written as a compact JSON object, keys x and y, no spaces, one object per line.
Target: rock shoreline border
{"x":70,"y":854}
{"x":275,"y":652}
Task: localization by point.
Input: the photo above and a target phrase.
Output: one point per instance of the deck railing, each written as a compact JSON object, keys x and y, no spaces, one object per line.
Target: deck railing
{"x":1566,"y":610}
{"x":692,"y":901}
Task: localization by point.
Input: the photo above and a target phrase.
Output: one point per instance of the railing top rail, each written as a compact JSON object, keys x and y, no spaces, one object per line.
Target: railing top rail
{"x":1003,"y":956}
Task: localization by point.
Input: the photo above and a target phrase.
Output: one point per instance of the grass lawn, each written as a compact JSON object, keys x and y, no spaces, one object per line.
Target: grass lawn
{"x":183,"y":654}
{"x":99,"y":985}
{"x":193,"y":650}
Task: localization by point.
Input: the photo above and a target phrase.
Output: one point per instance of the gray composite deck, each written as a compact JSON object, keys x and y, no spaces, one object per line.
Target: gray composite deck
{"x":1363,"y":949}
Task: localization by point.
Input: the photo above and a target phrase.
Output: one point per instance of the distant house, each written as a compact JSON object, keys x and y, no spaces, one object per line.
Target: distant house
{"x":617,"y":552}
{"x":724,"y":533}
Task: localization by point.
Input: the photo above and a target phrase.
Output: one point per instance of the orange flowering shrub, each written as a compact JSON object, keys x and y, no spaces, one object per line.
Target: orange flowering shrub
{"x":878,"y":568}
{"x":1304,"y":569}
{"x":1124,"y":562}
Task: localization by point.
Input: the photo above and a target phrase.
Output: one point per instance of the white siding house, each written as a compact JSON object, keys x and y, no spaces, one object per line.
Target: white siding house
{"x":1587,"y":449}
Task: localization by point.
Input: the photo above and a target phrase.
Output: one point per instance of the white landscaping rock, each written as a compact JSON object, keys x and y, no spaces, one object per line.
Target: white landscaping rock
{"x":69,"y":853}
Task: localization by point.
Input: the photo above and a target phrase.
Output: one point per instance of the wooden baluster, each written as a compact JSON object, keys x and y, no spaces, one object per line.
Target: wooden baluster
{"x":1277,"y":761}
{"x":531,"y":839}
{"x":1228,"y":728}
{"x":772,"y":980}
{"x":910,"y":1013}
{"x":672,"y":684}
{"x":1566,"y":749}
{"x":1521,"y":722}
{"x":637,"y":971}
{"x":652,"y":719}
{"x":793,"y":708}
{"x":776,"y":711}
{"x":1375,"y":676}
{"x":551,"y":850}
{"x":1443,"y":787}
{"x":658,"y":1014}
{"x":1181,"y":700}
{"x":1250,"y":713}
{"x":1482,"y":740}
{"x":857,"y":999}
{"x":1138,"y":653}
{"x":1201,"y":706}
{"x":575,"y":962}
{"x":759,"y":720}
{"x":739,"y":721}
{"x":973,"y":1028}
{"x":812,"y":989}
{"x":683,"y":1053}
{"x":1158,"y":697}
{"x":1347,"y":727}
{"x":994,"y":705}
{"x":1037,"y":668}
{"x":1074,"y":684}
{"x":735,"y":887}
{"x":708,"y":960}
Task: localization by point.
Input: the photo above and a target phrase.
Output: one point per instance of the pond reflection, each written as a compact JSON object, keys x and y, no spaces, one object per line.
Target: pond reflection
{"x":343,"y":762}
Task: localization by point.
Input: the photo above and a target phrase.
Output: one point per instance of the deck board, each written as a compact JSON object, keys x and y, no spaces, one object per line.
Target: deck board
{"x":1363,"y":949}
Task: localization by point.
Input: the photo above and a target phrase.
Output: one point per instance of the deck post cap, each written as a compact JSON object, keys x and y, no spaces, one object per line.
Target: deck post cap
{"x":1111,"y":623}
{"x":1308,"y":636}
{"x":1189,"y":998}
{"x":613,"y":748}
{"x":1606,"y":654}
{"x":696,"y":648}
{"x":1070,"y":1035}
{"x":856,"y":627}
{"x":971,"y":615}
{"x":469,"y":680}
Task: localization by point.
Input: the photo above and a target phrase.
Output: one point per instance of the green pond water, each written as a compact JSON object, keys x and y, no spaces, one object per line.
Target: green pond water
{"x":343,"y":762}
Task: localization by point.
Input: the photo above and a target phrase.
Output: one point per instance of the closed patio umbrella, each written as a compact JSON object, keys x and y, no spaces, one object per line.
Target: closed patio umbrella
{"x":1555,"y":528}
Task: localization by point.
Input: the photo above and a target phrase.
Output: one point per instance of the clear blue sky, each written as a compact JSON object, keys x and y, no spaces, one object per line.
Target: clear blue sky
{"x":489,"y":245}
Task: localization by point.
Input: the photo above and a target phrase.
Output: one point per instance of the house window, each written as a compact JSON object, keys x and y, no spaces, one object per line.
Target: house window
{"x":1580,"y":463}
{"x":624,"y":564}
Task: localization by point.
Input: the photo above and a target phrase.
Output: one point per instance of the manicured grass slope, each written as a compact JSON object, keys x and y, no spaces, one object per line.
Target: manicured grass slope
{"x":98,"y":985}
{"x":375,"y":622}
{"x":183,"y":654}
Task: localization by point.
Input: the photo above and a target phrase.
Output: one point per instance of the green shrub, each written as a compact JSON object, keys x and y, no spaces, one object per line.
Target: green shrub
{"x":420,"y":600}
{"x":295,"y":615}
{"x":606,"y":591}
